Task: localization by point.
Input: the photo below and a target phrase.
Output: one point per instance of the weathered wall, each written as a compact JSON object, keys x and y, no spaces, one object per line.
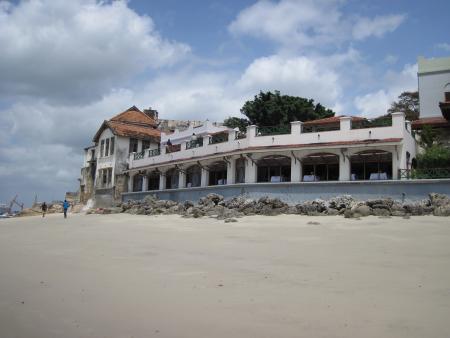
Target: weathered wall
{"x":302,"y":191}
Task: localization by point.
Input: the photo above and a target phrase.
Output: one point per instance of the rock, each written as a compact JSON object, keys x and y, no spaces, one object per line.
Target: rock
{"x":341,"y":202}
{"x":361,"y":210}
{"x":230,"y":220}
{"x":438,"y":200}
{"x":211,"y":199}
{"x":381,"y":212}
{"x":188,"y":204}
{"x":442,"y":210}
{"x":385,"y":203}
{"x":312,"y":208}
{"x":332,"y":212}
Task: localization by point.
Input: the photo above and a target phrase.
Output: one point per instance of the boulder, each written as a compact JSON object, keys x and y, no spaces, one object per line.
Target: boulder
{"x":438,"y":200}
{"x":341,"y":202}
{"x":442,"y":210}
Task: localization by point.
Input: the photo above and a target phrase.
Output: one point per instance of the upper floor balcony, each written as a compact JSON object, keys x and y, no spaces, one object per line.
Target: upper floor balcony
{"x":340,"y":130}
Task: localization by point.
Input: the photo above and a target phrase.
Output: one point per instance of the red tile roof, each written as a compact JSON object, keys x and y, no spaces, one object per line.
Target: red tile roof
{"x":437,"y":121}
{"x":330,"y":120}
{"x":132,"y":123}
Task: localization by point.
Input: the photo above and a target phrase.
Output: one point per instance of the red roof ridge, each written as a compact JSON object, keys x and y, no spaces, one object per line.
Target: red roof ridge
{"x":135,"y":116}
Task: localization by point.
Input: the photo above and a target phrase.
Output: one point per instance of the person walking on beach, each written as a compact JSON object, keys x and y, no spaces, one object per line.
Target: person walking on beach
{"x":44,"y":209}
{"x":65,"y":207}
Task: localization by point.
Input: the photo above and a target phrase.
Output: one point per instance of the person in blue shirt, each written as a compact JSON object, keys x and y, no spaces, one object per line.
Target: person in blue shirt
{"x":65,"y":207}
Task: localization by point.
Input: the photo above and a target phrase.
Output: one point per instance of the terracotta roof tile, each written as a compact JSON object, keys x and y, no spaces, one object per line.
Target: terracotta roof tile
{"x":437,"y":121}
{"x":134,"y":115}
{"x":132,"y":130}
{"x":330,"y":120}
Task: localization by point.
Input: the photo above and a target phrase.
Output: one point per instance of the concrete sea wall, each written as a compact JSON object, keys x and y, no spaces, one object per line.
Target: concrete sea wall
{"x":292,"y":193}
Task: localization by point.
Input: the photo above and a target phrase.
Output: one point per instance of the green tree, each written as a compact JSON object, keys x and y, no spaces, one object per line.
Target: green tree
{"x":270,"y":109}
{"x":408,"y":103}
{"x":236,"y":122}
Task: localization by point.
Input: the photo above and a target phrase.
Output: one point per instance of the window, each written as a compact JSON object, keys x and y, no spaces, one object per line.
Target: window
{"x":107,"y":147}
{"x":133,"y":145}
{"x":109,"y":176}
{"x":111,"y":146}
{"x":447,"y":96}
{"x":102,"y":147}
{"x":145,"y":144}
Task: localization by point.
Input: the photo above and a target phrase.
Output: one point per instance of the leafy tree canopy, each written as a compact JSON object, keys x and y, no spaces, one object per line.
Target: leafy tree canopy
{"x":408,"y":103}
{"x":236,"y":122}
{"x":270,"y":109}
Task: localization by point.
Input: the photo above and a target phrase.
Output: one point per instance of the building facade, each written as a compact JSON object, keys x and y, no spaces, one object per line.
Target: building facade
{"x":334,"y":149}
{"x":103,"y":175}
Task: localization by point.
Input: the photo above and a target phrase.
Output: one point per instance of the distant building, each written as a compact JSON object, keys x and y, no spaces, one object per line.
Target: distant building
{"x":434,"y":96}
{"x":105,"y":162}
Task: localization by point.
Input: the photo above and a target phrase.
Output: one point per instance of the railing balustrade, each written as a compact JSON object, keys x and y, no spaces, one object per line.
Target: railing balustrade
{"x":273,"y":130}
{"x":154,"y":152}
{"x":140,"y":155}
{"x":363,"y":124}
{"x":424,"y":173}
{"x":319,"y":129}
{"x":194,"y":143}
{"x":218,"y":138}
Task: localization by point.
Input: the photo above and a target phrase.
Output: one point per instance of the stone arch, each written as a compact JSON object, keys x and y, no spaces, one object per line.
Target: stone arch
{"x":274,"y":168}
{"x":193,"y":176}
{"x":374,"y":164}
{"x":172,"y":178}
{"x":153,"y":180}
{"x":320,"y":166}
{"x":218,"y":173}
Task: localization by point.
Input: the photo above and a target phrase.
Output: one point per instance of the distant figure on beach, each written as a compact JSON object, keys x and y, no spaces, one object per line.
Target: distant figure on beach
{"x":65,"y":207}
{"x":44,"y":209}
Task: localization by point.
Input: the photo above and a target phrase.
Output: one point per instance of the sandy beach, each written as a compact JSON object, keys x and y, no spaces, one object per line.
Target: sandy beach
{"x":165,"y":276}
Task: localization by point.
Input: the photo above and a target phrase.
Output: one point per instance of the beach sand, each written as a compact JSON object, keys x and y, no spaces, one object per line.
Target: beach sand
{"x":166,"y":276}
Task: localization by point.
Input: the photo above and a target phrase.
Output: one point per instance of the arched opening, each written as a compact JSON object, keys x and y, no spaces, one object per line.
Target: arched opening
{"x":240,"y":170}
{"x":218,"y":173}
{"x":172,"y":179}
{"x":371,"y":165}
{"x":137,"y":182}
{"x":320,"y":167}
{"x":153,"y":180}
{"x":274,"y":168}
{"x":193,"y":176}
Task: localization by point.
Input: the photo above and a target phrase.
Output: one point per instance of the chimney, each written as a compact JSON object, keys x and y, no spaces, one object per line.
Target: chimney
{"x":153,"y":113}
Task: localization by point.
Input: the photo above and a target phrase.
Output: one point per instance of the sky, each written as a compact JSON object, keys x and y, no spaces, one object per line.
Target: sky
{"x":65,"y":66}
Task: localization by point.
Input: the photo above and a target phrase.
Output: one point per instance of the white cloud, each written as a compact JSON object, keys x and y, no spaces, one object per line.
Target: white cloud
{"x":444,"y":46}
{"x":394,"y":83}
{"x":295,"y":24}
{"x":299,"y":76}
{"x":377,"y":26}
{"x":76,"y":50}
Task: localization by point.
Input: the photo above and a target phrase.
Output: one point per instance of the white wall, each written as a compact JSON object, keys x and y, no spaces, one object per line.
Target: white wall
{"x":431,"y":92}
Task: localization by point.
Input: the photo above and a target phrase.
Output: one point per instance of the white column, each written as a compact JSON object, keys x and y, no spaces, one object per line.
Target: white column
{"x":395,"y":160}
{"x":204,"y":178}
{"x":130,"y":182}
{"x":162,"y":181}
{"x":251,"y":134}
{"x":345,"y":123}
{"x":231,"y":171}
{"x":398,"y":121}
{"x":344,"y":168}
{"x":250,"y":172}
{"x":296,"y":127}
{"x":144,"y":183}
{"x":181,"y":179}
{"x":296,"y":169}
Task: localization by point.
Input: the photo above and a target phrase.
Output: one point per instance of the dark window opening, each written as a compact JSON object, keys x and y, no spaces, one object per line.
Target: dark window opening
{"x":111,"y":147}
{"x":102,"y":147}
{"x":218,"y":173}
{"x":172,"y":177}
{"x":137,"y":182}
{"x":320,"y":167}
{"x":274,"y":168}
{"x":133,"y":145}
{"x":371,"y":165}
{"x":153,"y":181}
{"x":107,"y":147}
{"x":145,"y":144}
{"x":193,"y":176}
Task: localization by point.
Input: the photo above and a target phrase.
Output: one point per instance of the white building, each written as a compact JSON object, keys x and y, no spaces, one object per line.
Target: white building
{"x":434,"y":85}
{"x":103,"y":174}
{"x":334,"y":149}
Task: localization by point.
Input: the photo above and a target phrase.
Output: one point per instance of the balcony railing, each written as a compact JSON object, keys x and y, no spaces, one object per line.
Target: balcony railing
{"x":319,"y":129}
{"x":173,"y":148}
{"x":424,"y":173}
{"x":154,"y":152}
{"x":384,"y":122}
{"x":194,"y":143}
{"x":218,"y":138}
{"x":273,"y":130}
{"x":140,"y":155}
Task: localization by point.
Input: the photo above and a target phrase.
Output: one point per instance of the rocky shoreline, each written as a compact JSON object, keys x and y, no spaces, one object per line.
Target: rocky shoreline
{"x":214,"y":205}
